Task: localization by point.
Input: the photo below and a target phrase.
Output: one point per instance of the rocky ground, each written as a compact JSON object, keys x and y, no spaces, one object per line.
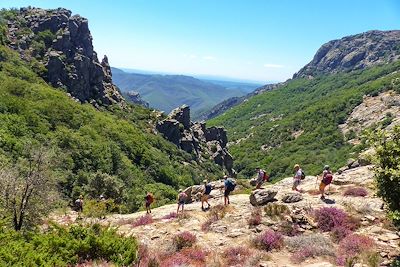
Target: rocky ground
{"x":233,"y":229}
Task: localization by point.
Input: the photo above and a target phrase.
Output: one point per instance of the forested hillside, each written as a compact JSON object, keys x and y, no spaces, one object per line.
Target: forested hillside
{"x":110,"y":152}
{"x":298,"y":123}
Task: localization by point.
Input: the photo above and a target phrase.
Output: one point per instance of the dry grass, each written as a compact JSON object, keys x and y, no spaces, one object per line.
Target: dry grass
{"x":308,"y":246}
{"x":275,"y":210}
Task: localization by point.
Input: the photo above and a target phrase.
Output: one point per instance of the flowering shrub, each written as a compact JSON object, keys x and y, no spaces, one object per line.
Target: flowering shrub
{"x":306,"y":246}
{"x":356,"y":192}
{"x":184,"y":239}
{"x":289,"y":229}
{"x":236,"y":255}
{"x":143,"y":220}
{"x":329,"y":218}
{"x":255,"y":217}
{"x":269,"y":240}
{"x":172,"y":215}
{"x":352,"y":246}
{"x":339,"y":232}
{"x":193,"y":256}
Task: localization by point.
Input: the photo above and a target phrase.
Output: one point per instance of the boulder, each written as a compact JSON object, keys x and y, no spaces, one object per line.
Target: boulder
{"x":262,"y":196}
{"x":253,"y":182}
{"x":355,"y":164}
{"x":182,"y":115}
{"x":292,"y":197}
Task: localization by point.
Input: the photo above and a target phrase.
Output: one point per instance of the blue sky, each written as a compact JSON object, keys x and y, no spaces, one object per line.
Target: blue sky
{"x":260,"y":40}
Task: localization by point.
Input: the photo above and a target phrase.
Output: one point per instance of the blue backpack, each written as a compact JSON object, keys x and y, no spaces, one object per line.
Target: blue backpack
{"x":231,"y":184}
{"x":208,"y":189}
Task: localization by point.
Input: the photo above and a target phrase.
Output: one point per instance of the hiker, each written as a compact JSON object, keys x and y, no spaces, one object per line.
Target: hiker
{"x":206,"y":194}
{"x":182,"y":196}
{"x":79,"y":204}
{"x":262,"y":177}
{"x":148,"y":199}
{"x":326,"y":180}
{"x":229,"y":186}
{"x":298,"y":176}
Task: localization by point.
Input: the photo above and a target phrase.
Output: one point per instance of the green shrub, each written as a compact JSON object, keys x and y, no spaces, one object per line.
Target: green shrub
{"x":66,"y":247}
{"x":387,"y":146}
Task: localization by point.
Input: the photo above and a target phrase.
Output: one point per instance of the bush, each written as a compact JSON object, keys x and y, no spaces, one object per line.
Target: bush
{"x":143,"y":220}
{"x":171,"y":215}
{"x":307,"y":246}
{"x":236,"y":255}
{"x":193,"y":256}
{"x":216,"y":213}
{"x":387,"y":146}
{"x":269,"y":240}
{"x":352,"y":247}
{"x":289,"y":229}
{"x":255,"y":217}
{"x":66,"y":247}
{"x":356,"y":192}
{"x":183,"y":240}
{"x":328,"y":218}
{"x":276,"y":210}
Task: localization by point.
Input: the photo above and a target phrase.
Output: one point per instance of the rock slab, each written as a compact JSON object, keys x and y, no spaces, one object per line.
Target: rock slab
{"x":262,"y":196}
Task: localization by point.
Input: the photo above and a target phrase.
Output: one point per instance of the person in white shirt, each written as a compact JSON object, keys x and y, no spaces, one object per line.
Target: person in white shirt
{"x":297,"y":177}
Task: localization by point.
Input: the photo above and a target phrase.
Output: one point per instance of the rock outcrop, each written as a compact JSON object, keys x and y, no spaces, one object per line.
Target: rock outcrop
{"x":262,"y":196}
{"x":135,"y":98}
{"x":354,"y":52}
{"x":60,"y":47}
{"x":196,"y":137}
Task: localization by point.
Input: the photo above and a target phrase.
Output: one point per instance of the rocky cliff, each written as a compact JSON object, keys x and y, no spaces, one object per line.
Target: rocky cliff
{"x":59,"y":46}
{"x":354,"y":52}
{"x":136,"y":98}
{"x":196,"y":137}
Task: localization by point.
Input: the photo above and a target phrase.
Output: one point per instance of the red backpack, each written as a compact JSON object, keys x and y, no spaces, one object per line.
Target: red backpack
{"x":265,"y":177}
{"x":327,"y":178}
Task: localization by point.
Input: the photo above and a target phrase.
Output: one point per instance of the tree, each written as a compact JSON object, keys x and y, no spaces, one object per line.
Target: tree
{"x":387,"y":170}
{"x":27,"y":189}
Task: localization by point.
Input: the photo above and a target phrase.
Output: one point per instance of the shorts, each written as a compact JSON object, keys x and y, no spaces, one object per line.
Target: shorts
{"x":204,"y":197}
{"x":296,"y":183}
{"x":227,"y":192}
{"x":147,"y":204}
{"x":181,"y":202}
{"x":322,"y":186}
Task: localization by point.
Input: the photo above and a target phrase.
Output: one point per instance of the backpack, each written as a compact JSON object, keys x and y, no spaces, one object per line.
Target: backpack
{"x":265,"y":177}
{"x":208,"y":189}
{"x":150,"y":198}
{"x":327,"y":178}
{"x":231,"y":185}
{"x":303,"y":175}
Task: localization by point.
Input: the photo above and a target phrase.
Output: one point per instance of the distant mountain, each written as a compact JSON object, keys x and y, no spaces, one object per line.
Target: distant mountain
{"x":166,"y":92}
{"x":354,"y":52}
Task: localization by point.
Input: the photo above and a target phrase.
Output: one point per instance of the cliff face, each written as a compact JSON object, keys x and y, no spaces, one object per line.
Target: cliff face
{"x":354,"y":52}
{"x":59,"y":46}
{"x":196,"y":138}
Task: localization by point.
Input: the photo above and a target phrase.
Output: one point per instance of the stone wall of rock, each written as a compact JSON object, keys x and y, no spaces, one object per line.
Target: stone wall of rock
{"x":62,"y":43}
{"x":354,"y":52}
{"x":196,"y":137}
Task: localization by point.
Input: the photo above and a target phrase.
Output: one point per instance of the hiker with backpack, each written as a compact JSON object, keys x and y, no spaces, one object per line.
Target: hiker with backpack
{"x":262,"y":177}
{"x":182,"y":196}
{"x":325,"y":181}
{"x":206,"y":194}
{"x":298,"y":176}
{"x":148,"y":199}
{"x":79,"y":204}
{"x":229,"y":186}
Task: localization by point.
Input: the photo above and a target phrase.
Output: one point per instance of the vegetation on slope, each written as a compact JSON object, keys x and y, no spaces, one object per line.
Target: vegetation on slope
{"x":110,"y":152}
{"x":299,"y":122}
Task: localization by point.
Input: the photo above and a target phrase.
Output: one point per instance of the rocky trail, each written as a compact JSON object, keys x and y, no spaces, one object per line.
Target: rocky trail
{"x":233,"y":229}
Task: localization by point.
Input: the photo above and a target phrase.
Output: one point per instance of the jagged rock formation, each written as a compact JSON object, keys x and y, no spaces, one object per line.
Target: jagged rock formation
{"x":234,"y":101}
{"x":354,"y":52}
{"x":135,"y":98}
{"x":60,"y":47}
{"x":196,"y":137}
{"x":262,"y":196}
